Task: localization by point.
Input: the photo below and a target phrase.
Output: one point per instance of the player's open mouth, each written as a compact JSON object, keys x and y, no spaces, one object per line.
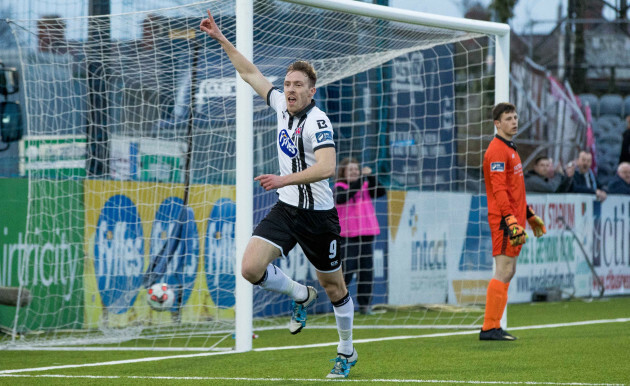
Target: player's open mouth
{"x":291,"y":100}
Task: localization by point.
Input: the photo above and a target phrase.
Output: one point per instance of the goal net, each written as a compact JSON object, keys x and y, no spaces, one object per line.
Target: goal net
{"x":131,"y":165}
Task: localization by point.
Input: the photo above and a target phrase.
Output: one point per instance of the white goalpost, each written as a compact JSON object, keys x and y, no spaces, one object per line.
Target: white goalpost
{"x":244,"y":171}
{"x":245,"y":26}
{"x":141,"y":149}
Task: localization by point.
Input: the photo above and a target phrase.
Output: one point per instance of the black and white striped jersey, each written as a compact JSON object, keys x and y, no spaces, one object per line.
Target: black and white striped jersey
{"x":298,"y":138}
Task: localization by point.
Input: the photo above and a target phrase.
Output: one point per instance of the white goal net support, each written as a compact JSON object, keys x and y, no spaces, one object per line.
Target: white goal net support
{"x":131,"y":157}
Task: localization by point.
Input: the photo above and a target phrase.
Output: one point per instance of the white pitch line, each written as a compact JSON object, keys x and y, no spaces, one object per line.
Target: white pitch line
{"x":206,"y":354}
{"x":381,"y":380}
{"x":583,"y":323}
{"x":120,"y":348}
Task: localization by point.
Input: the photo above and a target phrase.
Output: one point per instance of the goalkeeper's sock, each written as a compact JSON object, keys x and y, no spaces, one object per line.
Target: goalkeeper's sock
{"x":277,"y":281}
{"x":504,"y":299}
{"x":344,"y":315}
{"x":496,"y":298}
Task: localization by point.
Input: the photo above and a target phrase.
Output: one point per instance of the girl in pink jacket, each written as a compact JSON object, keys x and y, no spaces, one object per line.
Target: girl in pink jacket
{"x":354,"y":191}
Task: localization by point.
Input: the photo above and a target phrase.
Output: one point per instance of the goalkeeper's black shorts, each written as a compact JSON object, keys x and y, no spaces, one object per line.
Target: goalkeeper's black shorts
{"x":317,"y":232}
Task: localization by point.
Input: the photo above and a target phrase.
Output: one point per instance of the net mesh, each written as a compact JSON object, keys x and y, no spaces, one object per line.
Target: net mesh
{"x":131,"y":146}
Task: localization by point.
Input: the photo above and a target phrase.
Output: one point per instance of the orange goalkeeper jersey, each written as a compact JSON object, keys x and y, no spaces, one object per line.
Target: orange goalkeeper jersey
{"x":505,"y":185}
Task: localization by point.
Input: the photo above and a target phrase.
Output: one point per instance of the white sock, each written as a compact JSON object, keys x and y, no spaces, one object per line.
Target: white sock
{"x":277,"y":281}
{"x":344,"y":315}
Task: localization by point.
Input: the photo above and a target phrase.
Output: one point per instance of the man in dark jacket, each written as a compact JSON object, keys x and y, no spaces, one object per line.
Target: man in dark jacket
{"x":584,"y":180}
{"x":620,"y":184}
{"x":538,"y":180}
{"x":625,"y":143}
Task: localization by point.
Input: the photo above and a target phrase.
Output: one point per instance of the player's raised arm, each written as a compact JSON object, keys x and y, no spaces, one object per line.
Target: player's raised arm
{"x":246,"y":69}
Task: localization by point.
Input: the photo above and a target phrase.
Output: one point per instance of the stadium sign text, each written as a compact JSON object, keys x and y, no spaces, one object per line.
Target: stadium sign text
{"x":119,"y":253}
{"x":218,"y":88}
{"x":220,"y":253}
{"x":47,"y":264}
{"x":611,"y":244}
{"x":181,"y":267}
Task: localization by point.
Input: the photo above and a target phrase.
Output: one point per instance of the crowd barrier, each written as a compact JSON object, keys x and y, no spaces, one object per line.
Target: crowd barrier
{"x":433,"y":248}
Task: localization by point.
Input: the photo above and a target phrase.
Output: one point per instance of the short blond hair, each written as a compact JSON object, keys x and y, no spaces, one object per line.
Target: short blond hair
{"x":306,"y":68}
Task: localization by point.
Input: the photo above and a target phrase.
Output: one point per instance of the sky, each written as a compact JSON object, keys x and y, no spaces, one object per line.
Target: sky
{"x":543,"y":12}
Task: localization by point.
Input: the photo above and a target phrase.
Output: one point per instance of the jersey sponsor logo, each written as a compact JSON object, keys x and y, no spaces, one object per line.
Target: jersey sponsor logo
{"x":286,"y":144}
{"x":321,"y":124}
{"x":497,"y":166}
{"x":324,"y":136}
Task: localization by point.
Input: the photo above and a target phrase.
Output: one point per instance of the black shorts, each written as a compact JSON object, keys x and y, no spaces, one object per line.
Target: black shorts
{"x":317,"y":232}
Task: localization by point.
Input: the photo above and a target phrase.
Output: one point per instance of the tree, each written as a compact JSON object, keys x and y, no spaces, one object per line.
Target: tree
{"x":475,"y":10}
{"x":503,"y":9}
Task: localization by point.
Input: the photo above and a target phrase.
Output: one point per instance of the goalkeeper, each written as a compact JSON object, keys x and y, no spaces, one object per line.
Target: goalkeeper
{"x":507,"y":212}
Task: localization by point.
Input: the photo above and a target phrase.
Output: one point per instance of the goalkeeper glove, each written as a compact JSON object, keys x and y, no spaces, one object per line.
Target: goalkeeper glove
{"x":536,"y":223}
{"x":516,"y":232}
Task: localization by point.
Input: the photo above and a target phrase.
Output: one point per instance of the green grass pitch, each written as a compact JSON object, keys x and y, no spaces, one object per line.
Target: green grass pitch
{"x":562,"y":343}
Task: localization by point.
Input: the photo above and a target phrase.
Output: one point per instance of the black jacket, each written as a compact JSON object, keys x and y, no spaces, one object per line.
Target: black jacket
{"x":535,"y":183}
{"x":376,"y":190}
{"x":579,"y":184}
{"x":625,"y":147}
{"x":618,"y":186}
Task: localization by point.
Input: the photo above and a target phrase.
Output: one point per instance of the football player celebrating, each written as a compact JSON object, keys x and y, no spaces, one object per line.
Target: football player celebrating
{"x":305,"y":212}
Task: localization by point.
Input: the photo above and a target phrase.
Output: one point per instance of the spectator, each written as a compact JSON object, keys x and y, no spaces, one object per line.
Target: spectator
{"x":625,"y":143}
{"x":620,"y":184}
{"x":542,"y":179}
{"x":354,"y":190}
{"x":584,"y":180}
